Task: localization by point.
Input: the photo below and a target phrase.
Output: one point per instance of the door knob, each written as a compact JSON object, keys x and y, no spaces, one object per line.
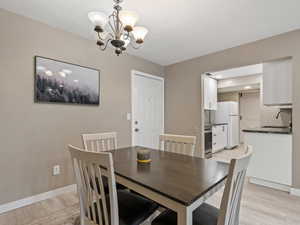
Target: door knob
{"x":136,"y":130}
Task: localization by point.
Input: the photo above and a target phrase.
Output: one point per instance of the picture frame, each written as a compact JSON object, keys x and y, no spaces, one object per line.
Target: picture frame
{"x":57,"y":81}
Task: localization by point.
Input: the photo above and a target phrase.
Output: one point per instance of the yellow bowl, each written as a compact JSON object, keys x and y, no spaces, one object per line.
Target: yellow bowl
{"x":144,"y":161}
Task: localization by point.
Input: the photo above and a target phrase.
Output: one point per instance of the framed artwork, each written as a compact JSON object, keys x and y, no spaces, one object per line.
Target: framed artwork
{"x":62,"y":82}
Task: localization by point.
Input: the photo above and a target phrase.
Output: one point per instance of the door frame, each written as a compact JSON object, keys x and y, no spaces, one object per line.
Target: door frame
{"x":149,"y":76}
{"x":202,"y":118}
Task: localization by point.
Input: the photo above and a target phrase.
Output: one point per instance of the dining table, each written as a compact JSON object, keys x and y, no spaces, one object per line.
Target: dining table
{"x":175,"y":181}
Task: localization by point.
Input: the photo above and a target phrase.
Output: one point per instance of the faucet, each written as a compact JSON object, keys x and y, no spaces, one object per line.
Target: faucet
{"x":277,"y":115}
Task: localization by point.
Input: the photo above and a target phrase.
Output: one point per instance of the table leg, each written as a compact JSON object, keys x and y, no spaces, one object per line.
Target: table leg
{"x":185,"y":216}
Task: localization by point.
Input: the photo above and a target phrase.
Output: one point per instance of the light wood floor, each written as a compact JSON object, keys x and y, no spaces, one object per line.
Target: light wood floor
{"x":260,"y":206}
{"x":61,"y":210}
{"x":265,"y":206}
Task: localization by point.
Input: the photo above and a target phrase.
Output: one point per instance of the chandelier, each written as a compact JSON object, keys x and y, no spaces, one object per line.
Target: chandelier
{"x":118,"y":29}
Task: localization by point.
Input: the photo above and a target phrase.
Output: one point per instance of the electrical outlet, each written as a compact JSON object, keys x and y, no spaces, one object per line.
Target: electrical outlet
{"x":56,"y":170}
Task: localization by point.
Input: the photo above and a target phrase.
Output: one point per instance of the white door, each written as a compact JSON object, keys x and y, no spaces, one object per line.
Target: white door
{"x":147,"y":109}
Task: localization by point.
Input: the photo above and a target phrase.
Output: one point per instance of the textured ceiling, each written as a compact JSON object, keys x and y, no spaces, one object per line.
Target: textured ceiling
{"x":179,"y":29}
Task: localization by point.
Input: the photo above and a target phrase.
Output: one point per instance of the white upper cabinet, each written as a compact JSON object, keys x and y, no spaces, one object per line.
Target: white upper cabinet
{"x":277,"y":82}
{"x":210,"y":93}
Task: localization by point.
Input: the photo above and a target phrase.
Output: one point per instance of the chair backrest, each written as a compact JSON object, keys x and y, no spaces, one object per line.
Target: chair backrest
{"x":231,"y":200}
{"x":100,"y":142}
{"x":177,"y":144}
{"x":93,"y":204}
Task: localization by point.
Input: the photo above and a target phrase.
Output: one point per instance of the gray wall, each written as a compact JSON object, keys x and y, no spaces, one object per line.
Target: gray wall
{"x":183,"y":91}
{"x":34,"y":136}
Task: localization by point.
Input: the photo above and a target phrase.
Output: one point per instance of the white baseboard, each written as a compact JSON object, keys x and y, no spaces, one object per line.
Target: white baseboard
{"x":269,"y":184}
{"x":36,"y":198}
{"x":295,"y":191}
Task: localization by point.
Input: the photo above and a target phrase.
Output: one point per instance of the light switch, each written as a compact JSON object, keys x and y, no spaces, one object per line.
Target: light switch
{"x":128,"y":115}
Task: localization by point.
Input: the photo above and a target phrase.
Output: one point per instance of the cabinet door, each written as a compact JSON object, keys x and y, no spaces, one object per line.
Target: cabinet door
{"x":223,"y":136}
{"x":210,"y":93}
{"x":213,"y":94}
{"x":206,"y":97}
{"x":277,"y":82}
{"x":272,"y":157}
{"x":219,"y":139}
{"x":215,"y":138}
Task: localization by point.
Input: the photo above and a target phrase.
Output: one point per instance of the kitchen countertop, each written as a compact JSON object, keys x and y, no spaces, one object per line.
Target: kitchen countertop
{"x":274,"y":130}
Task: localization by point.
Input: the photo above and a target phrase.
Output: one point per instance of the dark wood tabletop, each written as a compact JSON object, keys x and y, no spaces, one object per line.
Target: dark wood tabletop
{"x":179,"y":177}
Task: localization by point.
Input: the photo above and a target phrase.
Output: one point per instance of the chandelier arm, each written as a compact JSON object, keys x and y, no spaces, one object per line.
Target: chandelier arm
{"x":106,"y":44}
{"x":114,"y":16}
{"x":111,"y":35}
{"x":121,"y":27}
{"x":117,"y":24}
{"x":109,"y":23}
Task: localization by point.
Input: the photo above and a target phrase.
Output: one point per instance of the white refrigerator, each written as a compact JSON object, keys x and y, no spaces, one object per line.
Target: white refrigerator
{"x":228,"y":113}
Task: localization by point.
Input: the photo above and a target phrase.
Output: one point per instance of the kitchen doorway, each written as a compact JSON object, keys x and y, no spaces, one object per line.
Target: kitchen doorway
{"x":235,"y":107}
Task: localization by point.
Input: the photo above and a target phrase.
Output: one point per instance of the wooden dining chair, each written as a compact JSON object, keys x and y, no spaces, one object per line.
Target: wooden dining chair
{"x":228,"y":214}
{"x":113,"y":208}
{"x":177,"y":144}
{"x":100,"y":142}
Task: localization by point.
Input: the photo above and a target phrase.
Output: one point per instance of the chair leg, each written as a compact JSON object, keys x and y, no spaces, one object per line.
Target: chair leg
{"x":237,"y":215}
{"x":151,"y":218}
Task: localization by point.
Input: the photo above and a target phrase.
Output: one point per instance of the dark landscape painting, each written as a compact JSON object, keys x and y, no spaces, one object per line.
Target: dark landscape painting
{"x":61,"y":82}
